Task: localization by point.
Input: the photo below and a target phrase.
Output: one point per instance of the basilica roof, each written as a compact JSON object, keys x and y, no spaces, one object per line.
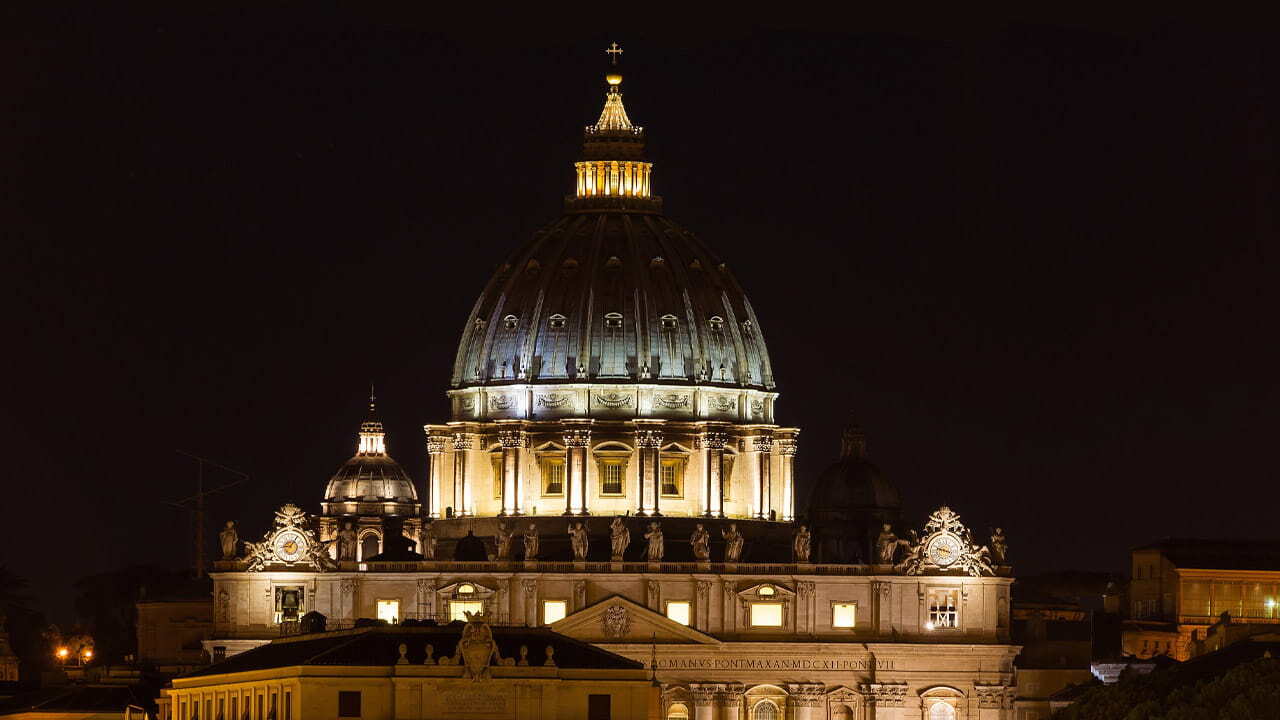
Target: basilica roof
{"x":853,"y":482}
{"x":613,"y":291}
{"x":371,"y":475}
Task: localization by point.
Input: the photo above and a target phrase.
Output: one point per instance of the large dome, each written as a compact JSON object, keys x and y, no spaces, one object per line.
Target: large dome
{"x":621,"y":296}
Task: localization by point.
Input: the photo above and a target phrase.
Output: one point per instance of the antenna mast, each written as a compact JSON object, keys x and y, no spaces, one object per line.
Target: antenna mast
{"x":195,"y":503}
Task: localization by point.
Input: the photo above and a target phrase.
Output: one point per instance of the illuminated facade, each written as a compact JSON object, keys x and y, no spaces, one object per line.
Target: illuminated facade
{"x":612,"y":469}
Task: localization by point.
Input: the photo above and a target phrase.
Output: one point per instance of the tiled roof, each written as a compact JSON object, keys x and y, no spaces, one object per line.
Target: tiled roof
{"x":379,"y":646}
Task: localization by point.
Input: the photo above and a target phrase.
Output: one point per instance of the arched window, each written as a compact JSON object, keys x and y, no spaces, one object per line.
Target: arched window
{"x":766,"y":710}
{"x":678,"y":711}
{"x":942,"y":711}
{"x":842,"y":712}
{"x":368,"y":546}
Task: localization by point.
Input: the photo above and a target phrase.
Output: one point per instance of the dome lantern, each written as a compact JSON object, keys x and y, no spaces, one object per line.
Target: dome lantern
{"x":613,"y":171}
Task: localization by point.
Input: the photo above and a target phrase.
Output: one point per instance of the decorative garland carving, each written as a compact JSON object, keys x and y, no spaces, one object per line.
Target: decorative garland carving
{"x":614,"y":399}
{"x":724,"y":403}
{"x":671,"y":401}
{"x":553,"y":400}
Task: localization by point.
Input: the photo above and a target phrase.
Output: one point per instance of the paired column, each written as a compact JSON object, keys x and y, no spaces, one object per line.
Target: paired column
{"x":763,"y":446}
{"x":787,"y":448}
{"x":461,"y":490}
{"x":649,"y":444}
{"x":576,"y":442}
{"x":512,"y":441}
{"x":704,"y":701}
{"x":714,"y":441}
{"x":435,"y":471}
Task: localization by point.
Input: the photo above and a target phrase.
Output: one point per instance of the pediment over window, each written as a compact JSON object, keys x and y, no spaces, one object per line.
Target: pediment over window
{"x":764,"y":592}
{"x":618,"y":620}
{"x":465,"y":590}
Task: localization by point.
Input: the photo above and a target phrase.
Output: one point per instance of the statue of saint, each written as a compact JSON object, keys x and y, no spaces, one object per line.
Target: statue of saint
{"x":229,"y":539}
{"x":503,"y":539}
{"x":427,"y":542}
{"x":886,"y":545}
{"x":999,"y":547}
{"x":578,"y":539}
{"x":701,"y":542}
{"x":654,"y":536}
{"x":347,"y":542}
{"x":531,"y":542}
{"x":619,"y":538}
{"x":732,"y":543}
{"x":801,"y":543}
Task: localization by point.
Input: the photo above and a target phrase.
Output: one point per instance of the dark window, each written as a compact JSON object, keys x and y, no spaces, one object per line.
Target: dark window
{"x":598,"y":707}
{"x":349,"y":703}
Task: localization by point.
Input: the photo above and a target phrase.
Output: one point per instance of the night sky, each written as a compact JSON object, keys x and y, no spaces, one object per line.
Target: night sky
{"x":1037,"y":262}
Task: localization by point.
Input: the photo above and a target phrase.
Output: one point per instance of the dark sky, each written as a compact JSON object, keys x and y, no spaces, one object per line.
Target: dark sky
{"x":1036,"y":262}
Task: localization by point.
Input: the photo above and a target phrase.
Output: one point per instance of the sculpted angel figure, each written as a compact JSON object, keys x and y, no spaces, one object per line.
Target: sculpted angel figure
{"x":886,"y":545}
{"x":800,"y":545}
{"x":531,"y":542}
{"x":654,"y":536}
{"x":619,"y":538}
{"x":228,"y":539}
{"x":700,"y":539}
{"x":732,"y":543}
{"x":999,"y":547}
{"x":579,"y":541}
{"x":503,"y":539}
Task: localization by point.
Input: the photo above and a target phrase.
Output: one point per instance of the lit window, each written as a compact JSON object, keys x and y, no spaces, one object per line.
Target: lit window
{"x":943,"y":609}
{"x":766,"y":614}
{"x":553,"y":610}
{"x":458,"y":609}
{"x":843,"y":615}
{"x":678,"y":611}
{"x":466,"y":589}
{"x":678,"y":711}
{"x":552,"y":468}
{"x":766,"y":591}
{"x":389,"y":610}
{"x":673,"y":476}
{"x":765,"y":710}
{"x":611,"y":477}
{"x":942,"y":711}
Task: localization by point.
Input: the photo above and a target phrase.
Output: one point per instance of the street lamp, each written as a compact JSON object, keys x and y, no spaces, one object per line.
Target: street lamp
{"x":62,"y":654}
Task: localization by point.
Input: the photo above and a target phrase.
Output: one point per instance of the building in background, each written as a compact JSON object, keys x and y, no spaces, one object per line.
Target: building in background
{"x":1181,"y":587}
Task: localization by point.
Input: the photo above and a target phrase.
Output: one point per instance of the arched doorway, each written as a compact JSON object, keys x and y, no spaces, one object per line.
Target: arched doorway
{"x":678,"y":711}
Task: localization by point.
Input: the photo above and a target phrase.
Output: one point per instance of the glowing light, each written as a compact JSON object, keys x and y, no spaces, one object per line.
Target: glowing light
{"x":63,"y":653}
{"x":554,"y":611}
{"x":678,"y":611}
{"x":88,"y":654}
{"x":1271,"y":603}
{"x":928,"y":625}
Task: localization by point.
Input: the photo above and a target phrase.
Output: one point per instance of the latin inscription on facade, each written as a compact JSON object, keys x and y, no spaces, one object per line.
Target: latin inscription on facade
{"x":738,"y":663}
{"x":472,"y":702}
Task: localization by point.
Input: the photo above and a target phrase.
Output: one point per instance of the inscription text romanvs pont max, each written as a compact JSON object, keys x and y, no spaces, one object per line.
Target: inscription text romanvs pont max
{"x":709,"y":663}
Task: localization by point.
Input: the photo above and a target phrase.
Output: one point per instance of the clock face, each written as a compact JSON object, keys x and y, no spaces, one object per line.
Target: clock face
{"x":289,"y":546}
{"x":944,"y":550}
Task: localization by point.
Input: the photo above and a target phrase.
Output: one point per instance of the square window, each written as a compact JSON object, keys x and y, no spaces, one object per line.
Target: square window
{"x":672,"y":476}
{"x":598,"y":707}
{"x":944,"y":610}
{"x":389,"y":610}
{"x":553,"y":610}
{"x":678,"y":611}
{"x":843,"y":615}
{"x":552,"y":475}
{"x":766,"y":614}
{"x":349,"y":703}
{"x":611,"y":477}
{"x":459,"y":608}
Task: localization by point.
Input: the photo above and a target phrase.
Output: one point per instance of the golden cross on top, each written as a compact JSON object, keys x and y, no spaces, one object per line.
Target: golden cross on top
{"x":614,"y":51}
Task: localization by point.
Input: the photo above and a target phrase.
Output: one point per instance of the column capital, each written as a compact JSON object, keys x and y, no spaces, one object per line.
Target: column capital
{"x":436,"y":444}
{"x":462,"y":441}
{"x":577,"y":437}
{"x":703,"y":693}
{"x":715,"y":439}
{"x":512,"y":438}
{"x":649,"y":438}
{"x":787,"y":446}
{"x":762,"y":443}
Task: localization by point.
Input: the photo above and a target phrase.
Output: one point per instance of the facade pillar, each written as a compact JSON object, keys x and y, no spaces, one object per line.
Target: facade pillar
{"x":763,"y":446}
{"x":729,"y":701}
{"x":576,"y":442}
{"x":805,"y":700}
{"x":512,"y":441}
{"x":714,"y":442}
{"x":462,"y":505}
{"x":435,"y":471}
{"x":787,"y":449}
{"x":704,"y":701}
{"x":649,"y":446}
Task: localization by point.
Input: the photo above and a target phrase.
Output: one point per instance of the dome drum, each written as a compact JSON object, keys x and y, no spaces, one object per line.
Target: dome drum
{"x":612,"y":401}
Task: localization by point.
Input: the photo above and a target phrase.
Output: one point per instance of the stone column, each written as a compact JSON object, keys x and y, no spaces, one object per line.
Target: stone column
{"x":461,"y":491}
{"x":512,"y":440}
{"x":787,"y":449}
{"x":649,"y":445}
{"x":435,"y":471}
{"x":576,"y":442}
{"x":704,"y":701}
{"x":805,"y":700}
{"x":714,"y":442}
{"x":729,"y":700}
{"x":763,"y":446}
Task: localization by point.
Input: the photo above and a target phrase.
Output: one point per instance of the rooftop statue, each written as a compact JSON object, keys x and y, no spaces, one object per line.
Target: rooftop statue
{"x":619,"y":538}
{"x":732,"y":543}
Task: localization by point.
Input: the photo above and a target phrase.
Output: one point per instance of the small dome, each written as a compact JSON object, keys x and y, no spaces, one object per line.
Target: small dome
{"x":371,"y":475}
{"x":853,"y":482}
{"x":371,"y":478}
